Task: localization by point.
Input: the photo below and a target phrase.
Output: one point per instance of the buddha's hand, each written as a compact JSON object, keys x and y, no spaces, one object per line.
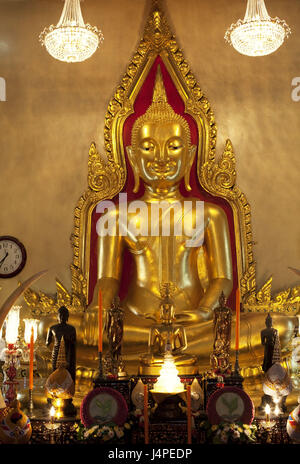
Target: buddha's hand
{"x":195,"y":316}
{"x":204,"y":314}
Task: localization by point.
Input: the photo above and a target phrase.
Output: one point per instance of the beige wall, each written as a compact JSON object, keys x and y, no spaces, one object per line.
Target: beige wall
{"x":54,"y":110}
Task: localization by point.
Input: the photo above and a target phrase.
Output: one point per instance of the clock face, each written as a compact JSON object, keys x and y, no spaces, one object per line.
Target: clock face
{"x":12,"y":256}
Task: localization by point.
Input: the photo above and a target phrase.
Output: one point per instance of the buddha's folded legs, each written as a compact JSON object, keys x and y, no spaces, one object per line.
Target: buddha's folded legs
{"x":199,"y":338}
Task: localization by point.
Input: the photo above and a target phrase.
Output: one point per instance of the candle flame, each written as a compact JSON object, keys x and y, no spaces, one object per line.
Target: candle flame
{"x":267,"y":409}
{"x":29,"y":325}
{"x":52,"y":411}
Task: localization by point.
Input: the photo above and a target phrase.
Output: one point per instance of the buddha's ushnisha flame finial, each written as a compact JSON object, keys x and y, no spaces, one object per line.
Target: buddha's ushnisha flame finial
{"x":61,"y":357}
{"x":159,"y":92}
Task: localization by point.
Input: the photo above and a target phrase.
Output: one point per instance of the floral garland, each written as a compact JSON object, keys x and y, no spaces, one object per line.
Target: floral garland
{"x":98,"y":432}
{"x":229,"y":433}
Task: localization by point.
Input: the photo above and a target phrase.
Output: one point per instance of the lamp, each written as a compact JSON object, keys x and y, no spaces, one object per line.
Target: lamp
{"x":257,"y":34}
{"x":12,"y":326}
{"x":12,"y":355}
{"x":168,"y":380}
{"x":71,"y":40}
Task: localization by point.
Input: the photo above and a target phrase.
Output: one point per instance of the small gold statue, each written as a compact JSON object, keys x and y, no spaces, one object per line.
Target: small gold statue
{"x":114,"y":327}
{"x":166,"y":335}
{"x":220,"y":358}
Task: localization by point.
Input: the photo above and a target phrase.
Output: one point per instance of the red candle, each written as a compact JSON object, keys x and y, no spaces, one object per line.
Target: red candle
{"x":237,"y":322}
{"x":31,"y":360}
{"x":100,"y":323}
{"x":146,"y":420}
{"x":189,"y":415}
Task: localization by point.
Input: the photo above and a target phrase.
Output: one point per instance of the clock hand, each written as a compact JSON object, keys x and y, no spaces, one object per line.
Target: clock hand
{"x":3,"y":259}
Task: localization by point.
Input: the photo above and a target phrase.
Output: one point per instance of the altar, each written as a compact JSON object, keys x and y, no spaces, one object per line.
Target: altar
{"x":164,"y":335}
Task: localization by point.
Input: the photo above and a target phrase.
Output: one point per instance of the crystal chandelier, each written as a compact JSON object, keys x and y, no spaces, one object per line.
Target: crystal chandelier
{"x":71,"y":40}
{"x":257,"y":34}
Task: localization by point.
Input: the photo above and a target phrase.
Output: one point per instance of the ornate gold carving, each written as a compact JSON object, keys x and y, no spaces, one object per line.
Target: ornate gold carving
{"x":286,"y":301}
{"x":157,"y":30}
{"x":106,"y":178}
{"x":40,"y":303}
{"x":220,"y":177}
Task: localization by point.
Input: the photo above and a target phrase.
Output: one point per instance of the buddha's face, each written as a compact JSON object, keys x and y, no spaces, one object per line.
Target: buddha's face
{"x":161,"y":155}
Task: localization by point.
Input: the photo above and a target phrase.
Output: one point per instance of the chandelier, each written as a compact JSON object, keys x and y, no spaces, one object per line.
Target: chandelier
{"x":71,"y":40}
{"x":257,"y":34}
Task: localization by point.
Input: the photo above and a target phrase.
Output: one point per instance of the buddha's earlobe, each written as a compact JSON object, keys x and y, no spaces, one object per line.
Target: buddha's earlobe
{"x":132,"y":162}
{"x":191,"y":156}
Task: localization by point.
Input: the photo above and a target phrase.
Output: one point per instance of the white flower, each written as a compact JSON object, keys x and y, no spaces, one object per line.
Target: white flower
{"x":111,"y":433}
{"x":223,"y":437}
{"x":236,"y":434}
{"x":119,"y":432}
{"x":105,"y":429}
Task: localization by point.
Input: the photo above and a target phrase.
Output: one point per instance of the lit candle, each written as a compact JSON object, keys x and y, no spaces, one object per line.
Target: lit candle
{"x":31,"y":359}
{"x":146,"y":420}
{"x":52,"y":414}
{"x":237,"y":323}
{"x":100,"y":323}
{"x":189,"y":415}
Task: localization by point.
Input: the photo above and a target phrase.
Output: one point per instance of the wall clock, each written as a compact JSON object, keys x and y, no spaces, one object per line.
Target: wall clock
{"x":12,"y":256}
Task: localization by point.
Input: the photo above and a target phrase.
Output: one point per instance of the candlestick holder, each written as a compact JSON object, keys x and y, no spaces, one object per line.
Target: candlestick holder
{"x":236,"y":365}
{"x":235,"y":379}
{"x":12,"y":357}
{"x":100,"y":379}
{"x":52,"y":427}
{"x":30,"y":402}
{"x":267,"y":424}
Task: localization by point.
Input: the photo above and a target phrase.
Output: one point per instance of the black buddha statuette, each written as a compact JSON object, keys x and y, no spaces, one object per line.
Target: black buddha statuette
{"x":270,"y":340}
{"x":55,"y":333}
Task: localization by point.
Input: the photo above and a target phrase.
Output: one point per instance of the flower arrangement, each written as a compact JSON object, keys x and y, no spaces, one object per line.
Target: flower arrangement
{"x":104,"y":433}
{"x":225,"y":432}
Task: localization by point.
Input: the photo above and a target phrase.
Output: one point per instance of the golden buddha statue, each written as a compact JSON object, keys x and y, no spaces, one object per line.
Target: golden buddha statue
{"x":161,"y":155}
